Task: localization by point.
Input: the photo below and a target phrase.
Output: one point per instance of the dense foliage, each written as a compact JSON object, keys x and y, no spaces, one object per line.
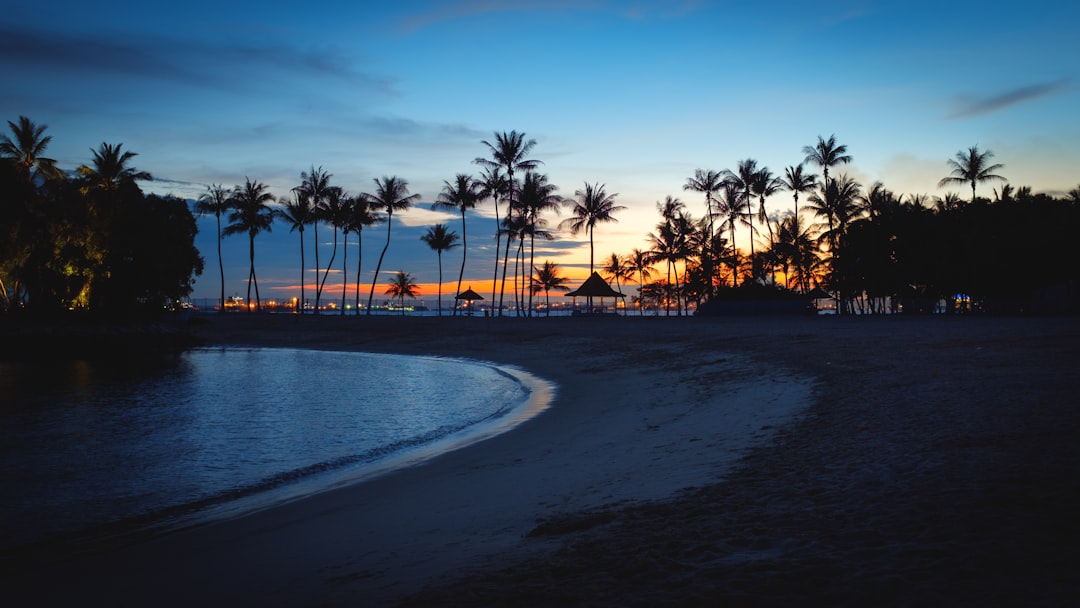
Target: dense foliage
{"x":93,"y":242}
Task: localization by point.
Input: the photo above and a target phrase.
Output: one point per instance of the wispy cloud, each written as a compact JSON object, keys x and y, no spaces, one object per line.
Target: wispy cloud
{"x":967,"y":106}
{"x":629,"y":9}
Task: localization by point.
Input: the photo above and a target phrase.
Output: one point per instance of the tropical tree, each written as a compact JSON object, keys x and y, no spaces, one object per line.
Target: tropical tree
{"x":315,"y":185}
{"x":617,"y":269}
{"x":27,"y":150}
{"x":360,"y":216}
{"x":298,"y":213}
{"x":334,"y":210}
{"x":461,"y":196}
{"x":669,"y":245}
{"x":826,"y":153}
{"x":538,"y":196}
{"x":250,"y":214}
{"x":510,"y":152}
{"x":641,"y":262}
{"x":403,"y":285}
{"x":837,"y":203}
{"x":971,"y":167}
{"x":735,"y":207}
{"x":440,"y":239}
{"x":743,"y":178}
{"x":707,"y":182}
{"x":391,"y":194}
{"x":216,"y":202}
{"x":797,"y":181}
{"x":111,"y":169}
{"x":764,"y":185}
{"x":495,"y":185}
{"x":593,"y":206}
{"x":547,"y":279}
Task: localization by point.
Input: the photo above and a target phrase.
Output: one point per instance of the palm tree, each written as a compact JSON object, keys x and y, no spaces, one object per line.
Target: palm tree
{"x":826,"y":153}
{"x":744,"y":176}
{"x":252,"y":214}
{"x":495,"y":185}
{"x":538,"y":196}
{"x":971,"y":167}
{"x":27,"y":148}
{"x":765,"y":184}
{"x":796,"y":181}
{"x":216,"y":201}
{"x":299,"y":214}
{"x":706,"y":182}
{"x":111,"y":169}
{"x":334,"y":211}
{"x":462,"y":195}
{"x":391,"y":194}
{"x":593,"y":206}
{"x":509,"y":152}
{"x":360,"y":216}
{"x":836,"y":202}
{"x":616,"y":269}
{"x":314,"y":186}
{"x":547,"y":279}
{"x":641,"y":262}
{"x":735,"y":207}
{"x":440,"y":239}
{"x":402,"y":285}
{"x":669,"y":245}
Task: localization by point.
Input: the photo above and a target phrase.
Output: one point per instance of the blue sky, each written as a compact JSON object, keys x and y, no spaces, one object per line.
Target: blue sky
{"x":633,"y":94}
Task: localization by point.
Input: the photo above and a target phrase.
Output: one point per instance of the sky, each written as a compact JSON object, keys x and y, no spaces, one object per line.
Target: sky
{"x":635,"y":95}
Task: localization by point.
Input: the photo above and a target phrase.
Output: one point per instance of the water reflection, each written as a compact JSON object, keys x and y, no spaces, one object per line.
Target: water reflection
{"x":87,"y":444}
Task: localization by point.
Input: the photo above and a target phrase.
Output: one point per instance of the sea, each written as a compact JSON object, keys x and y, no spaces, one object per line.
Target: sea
{"x":96,"y":451}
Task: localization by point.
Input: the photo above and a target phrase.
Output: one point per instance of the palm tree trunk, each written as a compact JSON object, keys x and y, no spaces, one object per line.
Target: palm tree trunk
{"x":329,"y":265}
{"x":498,"y":246}
{"x":300,"y":304}
{"x":221,"y":265}
{"x":315,"y":226}
{"x":359,"y":265}
{"x":344,"y":270}
{"x":532,"y":265}
{"x":439,"y":288}
{"x":464,"y":252}
{"x":378,"y":267}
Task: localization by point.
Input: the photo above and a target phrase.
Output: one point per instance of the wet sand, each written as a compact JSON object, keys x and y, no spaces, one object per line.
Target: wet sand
{"x":744,"y":461}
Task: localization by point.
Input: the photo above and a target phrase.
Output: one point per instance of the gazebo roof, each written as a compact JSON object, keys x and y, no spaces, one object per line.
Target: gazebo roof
{"x":468,"y":294}
{"x":596,"y":287}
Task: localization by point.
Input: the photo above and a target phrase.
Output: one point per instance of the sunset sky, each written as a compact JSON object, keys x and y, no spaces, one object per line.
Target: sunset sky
{"x":632,"y":94}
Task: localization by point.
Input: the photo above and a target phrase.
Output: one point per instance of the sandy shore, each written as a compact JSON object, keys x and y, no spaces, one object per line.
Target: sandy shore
{"x":684,"y":461}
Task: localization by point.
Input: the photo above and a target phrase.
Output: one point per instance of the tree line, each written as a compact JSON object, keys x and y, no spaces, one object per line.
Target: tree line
{"x":73,"y":242}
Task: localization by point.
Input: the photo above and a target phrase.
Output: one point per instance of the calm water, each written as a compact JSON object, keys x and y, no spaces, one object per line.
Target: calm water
{"x":91,"y":449}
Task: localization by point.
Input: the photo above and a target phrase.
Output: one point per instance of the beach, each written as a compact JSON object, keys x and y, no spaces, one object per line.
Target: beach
{"x":683,"y":461}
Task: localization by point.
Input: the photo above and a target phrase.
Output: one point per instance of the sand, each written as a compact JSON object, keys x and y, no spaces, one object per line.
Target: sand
{"x":745,"y":461}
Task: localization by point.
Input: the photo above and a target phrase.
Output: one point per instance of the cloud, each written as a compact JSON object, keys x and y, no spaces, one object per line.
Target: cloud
{"x":184,"y":61}
{"x":967,"y":106}
{"x":629,"y":9}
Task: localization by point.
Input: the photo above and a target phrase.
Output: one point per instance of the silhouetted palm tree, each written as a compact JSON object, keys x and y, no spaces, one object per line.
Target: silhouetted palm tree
{"x":616,"y":269}
{"x":593,"y":206}
{"x":391,"y":194}
{"x":216,"y":202}
{"x":743,"y":178}
{"x":510,"y":152}
{"x":298,"y":213}
{"x":402,"y":285}
{"x":462,"y":195}
{"x":971,"y":167}
{"x":440,"y":239}
{"x":547,"y":279}
{"x":706,"y":182}
{"x":538,"y":196}
{"x":826,"y":153}
{"x":796,"y":181}
{"x":641,"y":262}
{"x":334,"y":211}
{"x":360,"y":216}
{"x":735,"y":208}
{"x":495,"y":185}
{"x":111,"y":168}
{"x":314,"y":185}
{"x":251,"y":214}
{"x":27,"y":150}
{"x":836,"y":202}
{"x":765,"y":184}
